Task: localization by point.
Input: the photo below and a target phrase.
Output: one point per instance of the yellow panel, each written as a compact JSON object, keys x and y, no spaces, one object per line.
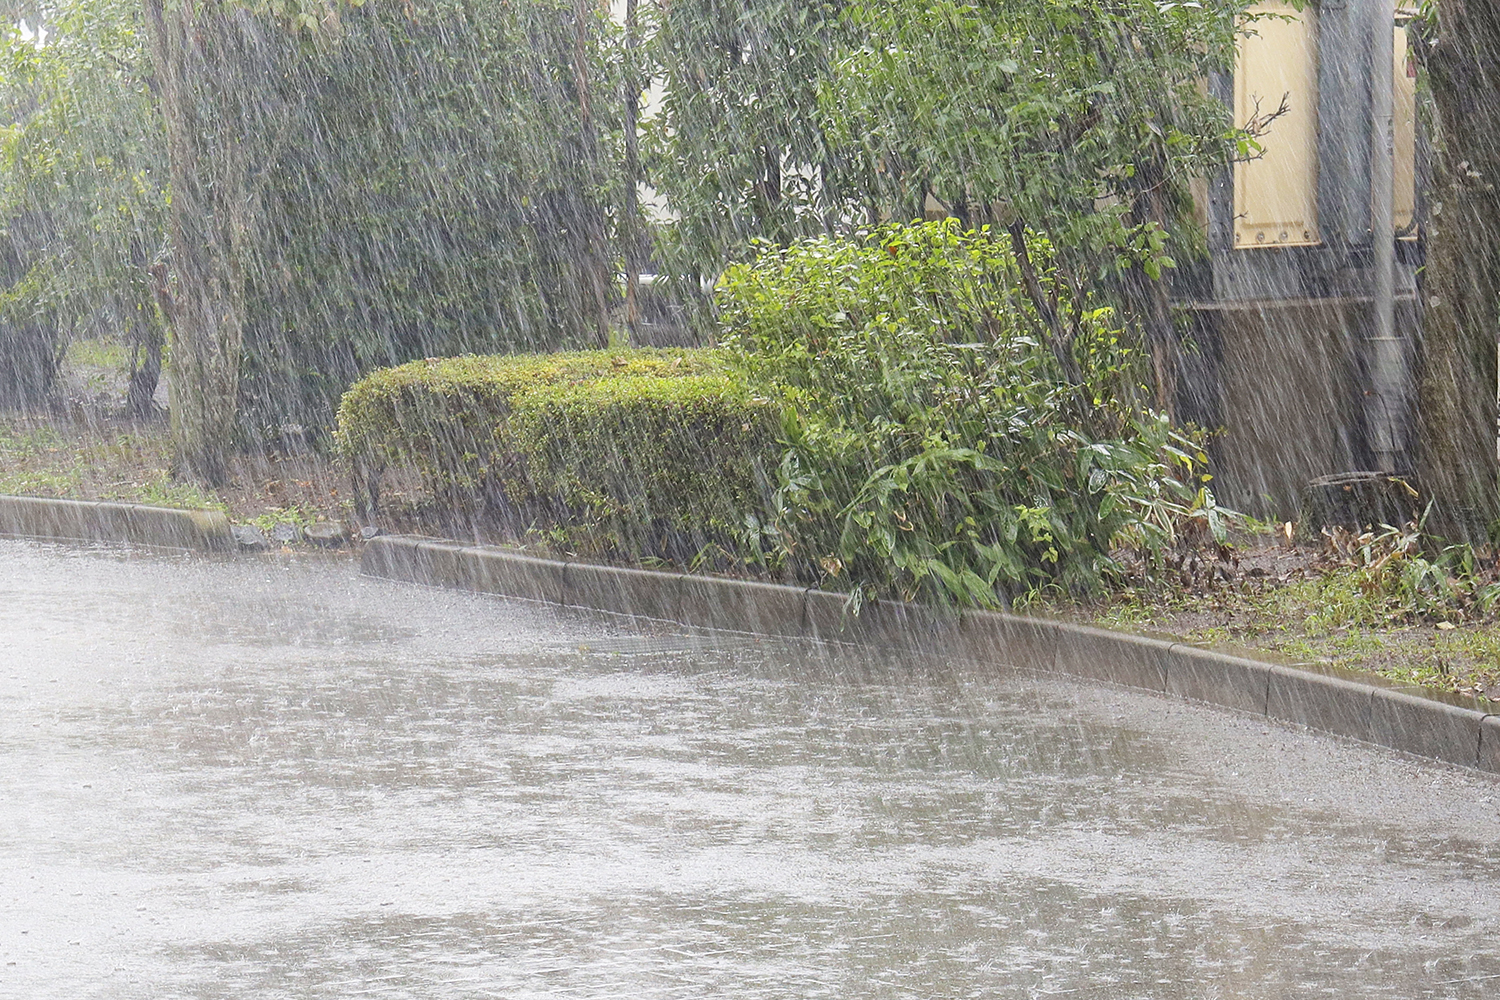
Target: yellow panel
{"x":1405,"y":108}
{"x":1276,"y":195}
{"x":1198,"y":188}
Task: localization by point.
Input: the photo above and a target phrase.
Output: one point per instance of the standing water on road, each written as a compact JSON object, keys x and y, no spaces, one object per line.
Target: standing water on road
{"x":272,"y":778}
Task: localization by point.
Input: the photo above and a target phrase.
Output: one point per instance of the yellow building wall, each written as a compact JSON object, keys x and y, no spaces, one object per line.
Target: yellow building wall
{"x":1276,"y":194}
{"x":1404,"y":107}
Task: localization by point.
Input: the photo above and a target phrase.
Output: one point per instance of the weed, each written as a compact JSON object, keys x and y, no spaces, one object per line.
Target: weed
{"x":164,"y":492}
{"x":297,"y":514}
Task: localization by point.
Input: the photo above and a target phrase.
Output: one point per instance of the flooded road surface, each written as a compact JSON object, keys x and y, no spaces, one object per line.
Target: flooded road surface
{"x":270,"y":778}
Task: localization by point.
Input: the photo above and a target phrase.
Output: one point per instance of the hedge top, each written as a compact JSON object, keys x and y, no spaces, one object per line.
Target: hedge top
{"x":376,"y":411}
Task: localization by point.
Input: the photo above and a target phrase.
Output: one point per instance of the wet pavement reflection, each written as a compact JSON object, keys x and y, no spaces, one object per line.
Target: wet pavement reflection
{"x":269,"y":777}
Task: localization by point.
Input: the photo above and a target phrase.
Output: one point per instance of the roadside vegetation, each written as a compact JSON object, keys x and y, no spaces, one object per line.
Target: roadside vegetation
{"x":634,"y":454}
{"x":888,"y":415}
{"x":84,"y":446}
{"x":1394,"y":601}
{"x":944,"y":439}
{"x":842,"y":436}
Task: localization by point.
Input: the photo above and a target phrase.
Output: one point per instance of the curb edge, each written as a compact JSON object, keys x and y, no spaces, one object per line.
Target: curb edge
{"x":1398,"y":720}
{"x":106,"y":521}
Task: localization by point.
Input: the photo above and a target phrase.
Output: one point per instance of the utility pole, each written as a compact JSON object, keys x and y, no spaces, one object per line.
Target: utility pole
{"x":630,"y":223}
{"x":1385,"y":408}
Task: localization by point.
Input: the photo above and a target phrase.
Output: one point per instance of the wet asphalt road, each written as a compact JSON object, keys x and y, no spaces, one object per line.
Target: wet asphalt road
{"x":270,"y":778}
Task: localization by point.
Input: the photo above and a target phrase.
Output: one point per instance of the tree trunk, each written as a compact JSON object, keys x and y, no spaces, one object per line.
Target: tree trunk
{"x":193,"y":54}
{"x":145,"y":374}
{"x":1147,"y":298}
{"x":147,"y":332}
{"x":1058,"y":338}
{"x":1461,"y":286}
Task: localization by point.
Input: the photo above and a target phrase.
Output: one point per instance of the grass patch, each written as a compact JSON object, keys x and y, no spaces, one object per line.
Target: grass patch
{"x":301,"y":515}
{"x":1318,"y":614}
{"x":51,"y":460}
{"x":97,"y":352}
{"x":163,"y":492}
{"x":131,"y":463}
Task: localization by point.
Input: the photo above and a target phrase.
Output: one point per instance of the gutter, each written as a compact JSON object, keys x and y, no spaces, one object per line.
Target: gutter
{"x":1412,"y":720}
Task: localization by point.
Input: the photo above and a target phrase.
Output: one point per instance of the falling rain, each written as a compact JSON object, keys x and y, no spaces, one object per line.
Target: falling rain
{"x":838,"y":498}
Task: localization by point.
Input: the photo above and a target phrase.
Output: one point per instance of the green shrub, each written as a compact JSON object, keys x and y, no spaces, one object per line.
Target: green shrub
{"x":962,"y":423}
{"x":644,"y":451}
{"x":659,"y":465}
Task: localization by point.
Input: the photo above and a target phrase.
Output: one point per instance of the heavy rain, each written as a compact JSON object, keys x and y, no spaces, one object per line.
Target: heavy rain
{"x":787,"y":498}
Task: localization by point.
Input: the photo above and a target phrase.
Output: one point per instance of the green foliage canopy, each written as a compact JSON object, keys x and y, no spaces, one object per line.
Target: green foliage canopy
{"x":1084,"y":120}
{"x":415,"y":179}
{"x":82,"y":185}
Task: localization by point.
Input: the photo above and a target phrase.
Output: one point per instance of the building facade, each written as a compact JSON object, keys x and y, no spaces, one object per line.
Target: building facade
{"x":1283,"y":344}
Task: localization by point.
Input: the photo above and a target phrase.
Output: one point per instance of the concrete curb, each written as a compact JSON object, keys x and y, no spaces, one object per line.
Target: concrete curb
{"x":91,"y":521}
{"x":1408,"y":721}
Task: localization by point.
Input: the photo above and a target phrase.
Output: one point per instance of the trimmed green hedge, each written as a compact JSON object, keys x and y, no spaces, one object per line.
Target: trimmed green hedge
{"x":655,"y":452}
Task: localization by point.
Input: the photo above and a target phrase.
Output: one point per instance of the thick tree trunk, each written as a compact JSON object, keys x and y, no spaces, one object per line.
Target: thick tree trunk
{"x":147,"y":334}
{"x":194,"y":59}
{"x":1461,"y":286}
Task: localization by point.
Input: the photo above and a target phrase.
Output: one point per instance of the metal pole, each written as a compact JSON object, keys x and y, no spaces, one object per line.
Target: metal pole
{"x":1387,"y":354}
{"x":630,"y":223}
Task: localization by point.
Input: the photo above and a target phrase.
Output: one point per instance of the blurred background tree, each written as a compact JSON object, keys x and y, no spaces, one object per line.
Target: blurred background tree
{"x":437,"y":190}
{"x":1083,"y":120}
{"x":738,"y":145}
{"x":82,"y":195}
{"x":350,"y":187}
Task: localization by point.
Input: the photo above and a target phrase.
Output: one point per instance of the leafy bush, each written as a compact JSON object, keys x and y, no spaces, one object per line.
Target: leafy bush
{"x":649,"y":452}
{"x":942,"y":436}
